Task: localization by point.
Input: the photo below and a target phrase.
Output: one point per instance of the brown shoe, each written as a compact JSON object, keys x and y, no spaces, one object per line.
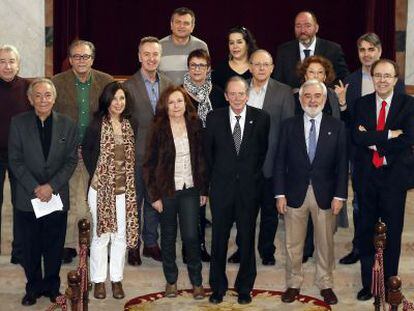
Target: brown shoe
{"x":134,"y":258}
{"x":329,"y":296}
{"x":117,"y":291}
{"x":99,"y":291}
{"x":290,"y":294}
{"x":153,"y":251}
{"x":198,"y":292}
{"x":170,"y":290}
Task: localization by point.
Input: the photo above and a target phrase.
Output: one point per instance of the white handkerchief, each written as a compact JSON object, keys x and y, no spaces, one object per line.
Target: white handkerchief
{"x":45,"y":208}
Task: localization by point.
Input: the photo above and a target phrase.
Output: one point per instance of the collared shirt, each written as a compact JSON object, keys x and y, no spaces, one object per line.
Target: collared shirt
{"x":307,"y":126}
{"x":152,"y":89}
{"x":233,"y":120}
{"x":311,"y":48}
{"x":82,"y":94}
{"x":45,"y":133}
{"x":367,"y":86}
{"x":256,"y":99}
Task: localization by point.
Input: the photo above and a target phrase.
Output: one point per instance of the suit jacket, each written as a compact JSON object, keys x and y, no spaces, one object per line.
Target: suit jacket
{"x":66,"y":100}
{"x":398,"y":151}
{"x":141,"y":109}
{"x":328,"y":172}
{"x":279,"y":104}
{"x":288,"y":56}
{"x":355,"y":87}
{"x":226,"y":167}
{"x":28,"y":164}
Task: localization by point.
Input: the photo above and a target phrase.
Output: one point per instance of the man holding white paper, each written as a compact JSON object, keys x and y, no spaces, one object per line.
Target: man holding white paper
{"x":42,"y":157}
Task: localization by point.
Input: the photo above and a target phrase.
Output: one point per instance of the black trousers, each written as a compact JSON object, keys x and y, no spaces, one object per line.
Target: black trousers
{"x":224,"y":214}
{"x":42,"y":238}
{"x":269,"y":220}
{"x":186,"y":205}
{"x":380,"y":199}
{"x":16,"y":244}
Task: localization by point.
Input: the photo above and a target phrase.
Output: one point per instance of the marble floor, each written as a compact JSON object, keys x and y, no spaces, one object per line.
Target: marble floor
{"x":149,"y":278}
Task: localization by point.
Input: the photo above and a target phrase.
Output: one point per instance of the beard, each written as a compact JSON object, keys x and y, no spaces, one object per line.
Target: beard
{"x":312,"y":112}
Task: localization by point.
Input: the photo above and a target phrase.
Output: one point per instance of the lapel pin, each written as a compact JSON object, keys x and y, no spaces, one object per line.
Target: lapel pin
{"x":329,"y":133}
{"x":63,"y":139}
{"x":251,"y":121}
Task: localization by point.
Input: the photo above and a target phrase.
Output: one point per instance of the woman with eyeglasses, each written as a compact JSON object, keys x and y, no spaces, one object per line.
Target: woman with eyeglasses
{"x":241,"y":45}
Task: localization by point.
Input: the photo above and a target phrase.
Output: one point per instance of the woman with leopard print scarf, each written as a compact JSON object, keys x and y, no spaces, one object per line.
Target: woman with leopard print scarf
{"x":109,"y":155}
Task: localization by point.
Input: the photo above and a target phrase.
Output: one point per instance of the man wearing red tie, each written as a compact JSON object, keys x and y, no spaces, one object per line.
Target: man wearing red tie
{"x":383,"y":131}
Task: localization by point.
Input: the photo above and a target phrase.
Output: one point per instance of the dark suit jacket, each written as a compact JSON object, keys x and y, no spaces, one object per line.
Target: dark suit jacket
{"x":328,"y":172}
{"x":28,"y":164}
{"x":141,"y":109}
{"x":66,"y":100}
{"x":288,"y":56}
{"x":226,"y":167}
{"x":398,"y":151}
{"x":279,"y":104}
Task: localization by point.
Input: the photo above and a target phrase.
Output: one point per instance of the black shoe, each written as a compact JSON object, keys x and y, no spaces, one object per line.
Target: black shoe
{"x":349,"y":259}
{"x":305,"y":258}
{"x":244,"y":299}
{"x":68,"y":254}
{"x":205,"y":256}
{"x":268,"y":260}
{"x":215,"y":298}
{"x":29,"y":300}
{"x":208,"y":223}
{"x":184,"y":254}
{"x":235,"y":258}
{"x":52,"y":297}
{"x":364,"y":294}
{"x":15,"y":260}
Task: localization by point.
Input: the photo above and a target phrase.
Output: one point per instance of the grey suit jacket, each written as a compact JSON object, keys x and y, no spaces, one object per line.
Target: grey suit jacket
{"x":141,"y":109}
{"x":280,"y":105}
{"x":28,"y":164}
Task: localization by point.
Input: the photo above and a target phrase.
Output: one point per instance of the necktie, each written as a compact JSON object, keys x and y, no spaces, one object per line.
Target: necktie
{"x":312,"y":141}
{"x":307,"y":52}
{"x":376,"y":159}
{"x":237,"y":134}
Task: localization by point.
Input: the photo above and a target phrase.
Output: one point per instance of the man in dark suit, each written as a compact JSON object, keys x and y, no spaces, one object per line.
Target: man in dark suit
{"x":42,"y":157}
{"x":359,"y":84}
{"x":383,"y":131}
{"x":145,"y":87}
{"x":277,"y":100}
{"x":235,"y":147}
{"x":311,"y":178}
{"x":306,"y":44}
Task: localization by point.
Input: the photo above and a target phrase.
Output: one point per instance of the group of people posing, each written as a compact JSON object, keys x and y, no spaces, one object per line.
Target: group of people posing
{"x":178,"y":136}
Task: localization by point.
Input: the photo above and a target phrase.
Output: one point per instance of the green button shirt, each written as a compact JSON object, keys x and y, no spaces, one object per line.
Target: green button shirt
{"x":82,"y":92}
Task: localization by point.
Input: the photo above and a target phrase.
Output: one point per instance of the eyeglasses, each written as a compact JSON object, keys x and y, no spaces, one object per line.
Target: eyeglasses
{"x":83,"y":57}
{"x":264,"y":65}
{"x":387,"y":76}
{"x":194,"y":66}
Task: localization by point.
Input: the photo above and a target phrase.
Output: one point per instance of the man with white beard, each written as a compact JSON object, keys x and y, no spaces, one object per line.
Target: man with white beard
{"x":311,"y":178}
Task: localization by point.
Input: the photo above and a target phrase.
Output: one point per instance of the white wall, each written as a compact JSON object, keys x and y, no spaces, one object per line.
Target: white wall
{"x":409,"y":49}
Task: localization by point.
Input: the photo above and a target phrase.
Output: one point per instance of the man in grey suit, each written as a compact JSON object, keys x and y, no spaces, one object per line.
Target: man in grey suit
{"x":277,"y":100}
{"x":42,"y":156}
{"x":145,"y":87}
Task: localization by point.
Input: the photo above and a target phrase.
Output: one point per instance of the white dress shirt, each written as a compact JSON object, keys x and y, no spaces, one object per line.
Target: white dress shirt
{"x":233,"y":120}
{"x":307,"y":126}
{"x":311,"y":48}
{"x":256,"y":99}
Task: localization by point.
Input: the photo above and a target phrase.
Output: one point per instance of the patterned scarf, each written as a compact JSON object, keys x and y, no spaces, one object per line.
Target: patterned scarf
{"x":201,"y":94}
{"x":106,"y":209}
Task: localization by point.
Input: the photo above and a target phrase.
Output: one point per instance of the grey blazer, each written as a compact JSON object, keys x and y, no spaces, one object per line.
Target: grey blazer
{"x":280,"y":105}
{"x":141,"y":109}
{"x":28,"y":164}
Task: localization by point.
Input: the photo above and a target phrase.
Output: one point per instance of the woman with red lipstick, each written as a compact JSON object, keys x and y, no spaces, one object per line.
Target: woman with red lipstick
{"x":109,"y":155}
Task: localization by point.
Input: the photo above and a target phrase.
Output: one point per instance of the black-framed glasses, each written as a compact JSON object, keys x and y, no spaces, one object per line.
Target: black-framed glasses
{"x":194,"y":66}
{"x":83,"y":57}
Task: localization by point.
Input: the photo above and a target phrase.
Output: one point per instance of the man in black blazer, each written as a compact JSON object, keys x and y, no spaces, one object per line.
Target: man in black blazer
{"x":311,"y":178}
{"x":42,"y":156}
{"x":359,"y":84}
{"x":383,"y":131}
{"x":235,"y":147}
{"x":306,"y":44}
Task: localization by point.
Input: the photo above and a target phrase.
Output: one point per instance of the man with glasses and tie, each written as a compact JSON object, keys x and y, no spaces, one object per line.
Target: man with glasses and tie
{"x":311,"y":177}
{"x":145,"y":87}
{"x":383,"y":130}
{"x":307,"y":44}
{"x":235,"y":148}
{"x":78,"y":90}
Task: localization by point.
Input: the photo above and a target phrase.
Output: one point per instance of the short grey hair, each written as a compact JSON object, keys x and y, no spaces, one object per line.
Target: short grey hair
{"x":370,"y":37}
{"x":236,"y":78}
{"x":313,"y":82}
{"x":38,"y":81}
{"x":76,"y":43}
{"x":11,"y":48}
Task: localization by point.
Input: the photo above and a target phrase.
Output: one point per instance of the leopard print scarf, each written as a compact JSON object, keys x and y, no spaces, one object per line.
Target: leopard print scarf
{"x":106,"y":210}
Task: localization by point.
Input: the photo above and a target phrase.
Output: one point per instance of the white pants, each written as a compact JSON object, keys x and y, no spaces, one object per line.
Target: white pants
{"x":99,"y":245}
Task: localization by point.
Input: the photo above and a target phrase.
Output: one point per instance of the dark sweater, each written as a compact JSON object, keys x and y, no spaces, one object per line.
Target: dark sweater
{"x":13,"y":100}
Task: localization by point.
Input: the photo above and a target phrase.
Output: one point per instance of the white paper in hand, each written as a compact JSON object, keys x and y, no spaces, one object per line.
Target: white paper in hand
{"x":45,"y":208}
